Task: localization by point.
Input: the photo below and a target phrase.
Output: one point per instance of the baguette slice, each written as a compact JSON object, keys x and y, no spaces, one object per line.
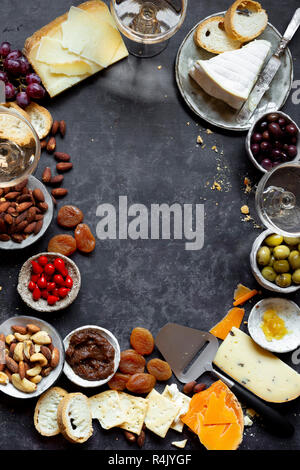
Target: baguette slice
{"x":40,"y":118}
{"x":211,"y":36}
{"x":245,"y":20}
{"x":45,"y":413}
{"x":74,"y":418}
{"x":13,"y":129}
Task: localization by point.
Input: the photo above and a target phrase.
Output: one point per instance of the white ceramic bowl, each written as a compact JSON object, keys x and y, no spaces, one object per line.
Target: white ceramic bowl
{"x":92,"y":383}
{"x":285,"y":309}
{"x":42,"y":305}
{"x":48,"y":381}
{"x":250,"y":132}
{"x":257,"y":272}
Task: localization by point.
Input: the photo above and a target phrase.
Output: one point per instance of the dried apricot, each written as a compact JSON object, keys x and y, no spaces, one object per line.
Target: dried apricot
{"x":118,"y":381}
{"x":69,"y":216}
{"x":131,"y":362}
{"x":63,"y":244}
{"x":84,"y":238}
{"x":160,"y":369}
{"x":141,"y":383}
{"x":142,"y":340}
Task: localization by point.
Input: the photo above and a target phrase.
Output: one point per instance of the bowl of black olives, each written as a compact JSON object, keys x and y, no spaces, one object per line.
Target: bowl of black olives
{"x":272,"y":140}
{"x":275,"y":262}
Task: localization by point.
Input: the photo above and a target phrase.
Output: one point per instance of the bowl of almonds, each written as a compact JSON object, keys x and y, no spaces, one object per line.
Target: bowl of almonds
{"x":31,"y":356}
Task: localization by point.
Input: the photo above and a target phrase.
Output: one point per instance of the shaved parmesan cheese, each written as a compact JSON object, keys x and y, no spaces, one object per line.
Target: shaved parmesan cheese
{"x":79,"y":67}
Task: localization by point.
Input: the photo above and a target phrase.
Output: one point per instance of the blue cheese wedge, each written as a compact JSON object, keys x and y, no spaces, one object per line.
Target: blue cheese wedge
{"x":257,"y":369}
{"x":231,"y":76}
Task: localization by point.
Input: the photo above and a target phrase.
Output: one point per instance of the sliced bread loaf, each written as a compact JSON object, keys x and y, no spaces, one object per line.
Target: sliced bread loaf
{"x":74,"y":418}
{"x":45,"y":413}
{"x":245,"y":20}
{"x":40,"y":118}
{"x":212,"y":37}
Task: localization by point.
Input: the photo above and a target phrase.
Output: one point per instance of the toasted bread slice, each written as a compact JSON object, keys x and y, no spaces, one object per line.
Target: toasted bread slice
{"x":40,"y":118}
{"x":45,"y":413}
{"x":211,"y":36}
{"x":74,"y":418}
{"x":245,"y":20}
{"x":14,"y":129}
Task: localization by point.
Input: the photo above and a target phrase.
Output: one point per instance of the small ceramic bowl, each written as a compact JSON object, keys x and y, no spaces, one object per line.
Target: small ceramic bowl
{"x":42,"y":305}
{"x":92,"y":383}
{"x":257,"y":272}
{"x":285,"y":309}
{"x":250,"y":132}
{"x":48,"y":381}
{"x":33,"y":183}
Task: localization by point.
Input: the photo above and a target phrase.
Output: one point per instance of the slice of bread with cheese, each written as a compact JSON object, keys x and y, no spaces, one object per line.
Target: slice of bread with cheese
{"x":45,"y":413}
{"x":74,"y":46}
{"x":40,"y":118}
{"x":245,"y":20}
{"x":211,"y":36}
{"x":74,"y":418}
{"x":231,"y":76}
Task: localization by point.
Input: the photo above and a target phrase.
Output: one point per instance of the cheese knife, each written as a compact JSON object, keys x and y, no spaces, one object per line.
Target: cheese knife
{"x":266,"y":76}
{"x":190,"y":353}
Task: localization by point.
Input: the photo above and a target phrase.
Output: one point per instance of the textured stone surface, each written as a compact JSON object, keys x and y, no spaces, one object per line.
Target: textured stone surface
{"x":127,"y":133}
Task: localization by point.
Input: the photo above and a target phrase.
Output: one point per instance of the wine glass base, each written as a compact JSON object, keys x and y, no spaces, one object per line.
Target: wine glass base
{"x":139,"y":49}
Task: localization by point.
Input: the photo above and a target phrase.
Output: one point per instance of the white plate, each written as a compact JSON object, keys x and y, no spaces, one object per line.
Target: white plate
{"x":33,"y":183}
{"x":285,"y":309}
{"x":92,"y":383}
{"x":215,"y":111}
{"x":48,"y":381}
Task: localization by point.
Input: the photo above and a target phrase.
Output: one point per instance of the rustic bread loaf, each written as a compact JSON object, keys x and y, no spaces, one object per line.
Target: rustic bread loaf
{"x":211,"y":35}
{"x":245,"y":20}
{"x":45,"y":413}
{"x":74,"y":418}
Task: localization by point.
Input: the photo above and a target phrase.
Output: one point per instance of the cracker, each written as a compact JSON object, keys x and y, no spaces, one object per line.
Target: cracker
{"x":181,"y":400}
{"x":161,"y":413}
{"x":135,"y":409}
{"x":107,"y":409}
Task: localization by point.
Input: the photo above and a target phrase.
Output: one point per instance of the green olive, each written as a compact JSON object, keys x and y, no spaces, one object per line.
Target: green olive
{"x":284,"y":280}
{"x":269,"y":273}
{"x":274,"y":240}
{"x":271,"y":262}
{"x":263,"y":256}
{"x":296,"y":276}
{"x":294,"y":259}
{"x":281,"y":252}
{"x":281,"y":266}
{"x":292,"y":240}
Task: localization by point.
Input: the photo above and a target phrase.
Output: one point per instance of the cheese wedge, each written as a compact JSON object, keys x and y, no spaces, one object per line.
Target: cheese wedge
{"x":257,"y":369}
{"x":231,"y":76}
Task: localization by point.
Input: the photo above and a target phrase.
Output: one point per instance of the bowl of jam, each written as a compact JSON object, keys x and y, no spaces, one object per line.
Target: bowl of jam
{"x":272,"y":140}
{"x":92,"y":356}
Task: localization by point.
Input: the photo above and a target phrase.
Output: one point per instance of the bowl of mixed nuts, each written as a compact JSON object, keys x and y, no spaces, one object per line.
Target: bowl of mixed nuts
{"x":32,"y":356}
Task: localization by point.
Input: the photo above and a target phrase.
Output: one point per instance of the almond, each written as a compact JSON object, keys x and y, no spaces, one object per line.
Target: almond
{"x":23,"y":206}
{"x":19,"y":329}
{"x":22,"y":185}
{"x":64,"y":166}
{"x":30,"y":228}
{"x":43,"y":144}
{"x":17,"y":238}
{"x":54,"y":201}
{"x":46,"y":371}
{"x":8,"y":219}
{"x":38,"y":195}
{"x":62,"y":156}
{"x":23,"y":198}
{"x":11,"y":196}
{"x":46,"y":352}
{"x":62,"y":128}
{"x":54,"y":358}
{"x":12,"y":365}
{"x":31,"y":328}
{"x":38,"y":217}
{"x":58,"y":179}
{"x":31,"y":214}
{"x":46,"y":176}
{"x":4,"y":237}
{"x":51,"y":145}
{"x":22,"y":370}
{"x":4,"y":206}
{"x":55,"y":127}
{"x":21,"y":227}
{"x":59,"y":192}
{"x":38,"y":226}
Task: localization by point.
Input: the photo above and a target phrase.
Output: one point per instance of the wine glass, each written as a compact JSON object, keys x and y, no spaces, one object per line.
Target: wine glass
{"x":277,"y":199}
{"x":147,"y":25}
{"x":20,"y":148}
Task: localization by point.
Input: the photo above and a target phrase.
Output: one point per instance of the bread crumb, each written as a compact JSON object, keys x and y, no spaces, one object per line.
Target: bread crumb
{"x":203,"y":146}
{"x":247,"y":184}
{"x":245,"y":210}
{"x":208,"y":131}
{"x":188,"y":123}
{"x":199,"y":140}
{"x":215,"y":148}
{"x":217,"y":186}
{"x":159,"y":67}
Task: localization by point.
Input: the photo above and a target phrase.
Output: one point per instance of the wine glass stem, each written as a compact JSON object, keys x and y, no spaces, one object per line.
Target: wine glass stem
{"x":140,"y":49}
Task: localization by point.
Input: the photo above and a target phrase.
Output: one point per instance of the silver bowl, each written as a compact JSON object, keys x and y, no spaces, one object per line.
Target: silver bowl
{"x":257,"y":273}
{"x":48,"y":381}
{"x":41,"y":305}
{"x":248,"y":139}
{"x":92,"y":383}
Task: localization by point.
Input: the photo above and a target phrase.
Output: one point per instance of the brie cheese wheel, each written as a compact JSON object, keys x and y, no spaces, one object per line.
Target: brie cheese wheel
{"x":231,"y":76}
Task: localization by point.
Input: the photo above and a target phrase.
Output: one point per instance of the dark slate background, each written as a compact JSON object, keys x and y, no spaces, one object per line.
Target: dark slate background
{"x":130,"y":133}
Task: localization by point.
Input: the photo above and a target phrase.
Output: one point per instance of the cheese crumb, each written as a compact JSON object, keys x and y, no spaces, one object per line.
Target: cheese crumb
{"x":245,"y":210}
{"x":217,"y":186}
{"x":199,"y":140}
{"x":215,"y":149}
{"x":247,"y":421}
{"x":159,"y":67}
{"x":208,"y":131}
{"x":180,"y":444}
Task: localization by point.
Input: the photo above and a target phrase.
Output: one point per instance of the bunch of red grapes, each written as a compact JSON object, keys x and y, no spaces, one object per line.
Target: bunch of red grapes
{"x":21,"y":83}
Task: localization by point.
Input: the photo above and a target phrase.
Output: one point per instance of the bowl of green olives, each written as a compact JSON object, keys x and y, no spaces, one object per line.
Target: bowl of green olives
{"x":273,"y":139}
{"x":275,"y":262}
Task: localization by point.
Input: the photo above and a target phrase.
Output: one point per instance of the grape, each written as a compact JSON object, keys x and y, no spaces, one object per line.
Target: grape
{"x":267,"y":164}
{"x":14,"y":54}
{"x":23,"y":99}
{"x":272,"y":117}
{"x":275,"y":130}
{"x":291,"y":129}
{"x":292,"y":151}
{"x":255,"y":148}
{"x":263,"y":126}
{"x":3,"y":77}
{"x":12,"y":66}
{"x":294,"y":140}
{"x":277,"y":163}
{"x":33,"y":78}
{"x":256,"y":137}
{"x":276,"y":154}
{"x":265,"y":147}
{"x":10,"y":91}
{"x":278,"y":144}
{"x":24,"y":65}
{"x":281,"y":121}
{"x":266,"y":135}
{"x":284,"y":157}
{"x":35,"y":91}
{"x":5,"y":49}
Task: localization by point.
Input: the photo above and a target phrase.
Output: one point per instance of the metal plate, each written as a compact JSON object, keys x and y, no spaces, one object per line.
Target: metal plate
{"x":33,"y":183}
{"x":215,"y":111}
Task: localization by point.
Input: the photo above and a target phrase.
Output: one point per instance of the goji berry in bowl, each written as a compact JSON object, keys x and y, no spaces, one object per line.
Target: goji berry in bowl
{"x":49,"y":282}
